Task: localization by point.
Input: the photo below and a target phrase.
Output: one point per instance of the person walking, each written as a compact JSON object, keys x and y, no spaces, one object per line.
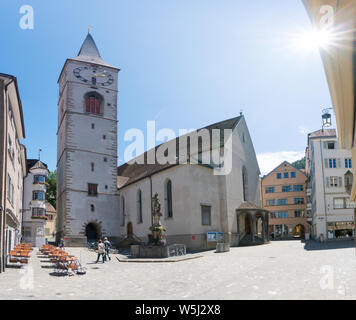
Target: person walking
{"x":62,"y":244}
{"x":101,"y":251}
{"x":107,"y":244}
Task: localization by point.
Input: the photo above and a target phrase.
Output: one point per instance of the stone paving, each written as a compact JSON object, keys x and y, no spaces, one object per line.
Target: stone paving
{"x":280,"y":270}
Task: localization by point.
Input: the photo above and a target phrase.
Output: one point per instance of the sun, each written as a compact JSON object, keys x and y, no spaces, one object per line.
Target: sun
{"x":313,"y":40}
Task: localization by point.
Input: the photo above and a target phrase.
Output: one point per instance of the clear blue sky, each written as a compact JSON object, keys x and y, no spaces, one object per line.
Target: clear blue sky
{"x":185,"y":63}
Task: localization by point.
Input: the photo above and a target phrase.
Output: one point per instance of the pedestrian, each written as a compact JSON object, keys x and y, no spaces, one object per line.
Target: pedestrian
{"x":107,"y":244}
{"x":61,"y":245}
{"x":101,"y":251}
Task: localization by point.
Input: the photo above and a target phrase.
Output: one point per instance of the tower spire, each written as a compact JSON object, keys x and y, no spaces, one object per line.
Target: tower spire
{"x":89,"y":48}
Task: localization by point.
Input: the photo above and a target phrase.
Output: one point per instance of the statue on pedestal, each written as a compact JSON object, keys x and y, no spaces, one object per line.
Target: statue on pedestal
{"x":157,"y":236}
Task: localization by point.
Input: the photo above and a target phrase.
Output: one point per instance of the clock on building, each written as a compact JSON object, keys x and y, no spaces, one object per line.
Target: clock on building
{"x":96,"y":76}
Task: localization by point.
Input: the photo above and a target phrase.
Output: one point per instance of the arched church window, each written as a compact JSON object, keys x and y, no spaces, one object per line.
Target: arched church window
{"x":93,"y":103}
{"x":169,"y":203}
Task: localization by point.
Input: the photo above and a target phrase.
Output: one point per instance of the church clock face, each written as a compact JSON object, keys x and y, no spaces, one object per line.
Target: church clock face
{"x":96,"y":76}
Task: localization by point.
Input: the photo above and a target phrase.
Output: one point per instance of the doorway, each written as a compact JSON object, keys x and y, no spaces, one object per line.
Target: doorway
{"x":129,"y":230}
{"x":92,"y":232}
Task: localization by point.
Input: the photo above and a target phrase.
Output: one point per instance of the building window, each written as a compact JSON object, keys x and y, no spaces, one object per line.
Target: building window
{"x":270,"y":202}
{"x":206,"y":215}
{"x":122,"y":211}
{"x":333,"y":182}
{"x":348,"y":163}
{"x":92,"y":208}
{"x":270,"y":190}
{"x":299,"y":214}
{"x":339,"y":203}
{"x":244,"y":183}
{"x":283,"y":214}
{"x":272,"y":215}
{"x":38,"y":195}
{"x":10,"y":190}
{"x":282,"y":202}
{"x":298,"y":200}
{"x":332,"y":163}
{"x":39,"y":179}
{"x":139,"y":206}
{"x":293,"y":175}
{"x":286,"y":188}
{"x":92,"y":189}
{"x":38,"y":212}
{"x":286,"y":175}
{"x":169,"y":199}
{"x":343,"y":203}
{"x":330,"y":145}
{"x":93,"y":126}
{"x":298,"y":188}
{"x":105,"y":159}
{"x":92,"y":166}
{"x":104,"y":137}
{"x":279,"y":175}
{"x":93,"y":103}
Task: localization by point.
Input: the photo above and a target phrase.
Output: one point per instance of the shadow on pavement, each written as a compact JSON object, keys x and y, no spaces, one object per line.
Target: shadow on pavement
{"x":311,"y":245}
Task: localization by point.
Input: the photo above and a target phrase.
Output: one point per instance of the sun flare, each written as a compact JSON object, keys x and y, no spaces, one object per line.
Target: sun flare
{"x":313,"y":40}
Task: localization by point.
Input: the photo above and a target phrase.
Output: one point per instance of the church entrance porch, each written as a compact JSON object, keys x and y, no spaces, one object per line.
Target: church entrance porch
{"x":256,"y":228}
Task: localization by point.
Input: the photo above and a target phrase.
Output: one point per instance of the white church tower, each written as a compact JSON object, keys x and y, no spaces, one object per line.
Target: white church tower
{"x":87,"y":199}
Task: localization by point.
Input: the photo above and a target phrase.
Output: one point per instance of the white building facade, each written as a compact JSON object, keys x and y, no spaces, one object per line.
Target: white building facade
{"x":194,"y":200}
{"x":330,"y":211}
{"x":34,"y":203}
{"x":87,"y":199}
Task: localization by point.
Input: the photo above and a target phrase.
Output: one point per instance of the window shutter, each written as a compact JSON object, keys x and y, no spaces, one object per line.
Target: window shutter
{"x":338,"y":163}
{"x":326,"y":163}
{"x":325,"y":145}
{"x":340,"y":181}
{"x":328,"y":182}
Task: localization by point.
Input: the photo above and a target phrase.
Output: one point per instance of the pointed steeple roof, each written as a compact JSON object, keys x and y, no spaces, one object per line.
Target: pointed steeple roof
{"x":89,"y":53}
{"x":89,"y":48}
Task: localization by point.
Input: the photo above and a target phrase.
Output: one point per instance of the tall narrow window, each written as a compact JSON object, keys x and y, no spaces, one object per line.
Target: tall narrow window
{"x":244,"y":184}
{"x":122,"y":211}
{"x":169,"y":199}
{"x":92,"y":166}
{"x":139,"y":206}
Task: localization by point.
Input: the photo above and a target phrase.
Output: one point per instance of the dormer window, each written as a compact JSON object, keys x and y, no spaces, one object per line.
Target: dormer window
{"x":93,"y":103}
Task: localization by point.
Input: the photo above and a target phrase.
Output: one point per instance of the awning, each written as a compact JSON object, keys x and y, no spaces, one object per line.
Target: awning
{"x":339,"y":60}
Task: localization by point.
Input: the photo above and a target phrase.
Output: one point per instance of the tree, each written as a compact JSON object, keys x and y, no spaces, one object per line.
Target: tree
{"x":299,"y":164}
{"x":51,"y":192}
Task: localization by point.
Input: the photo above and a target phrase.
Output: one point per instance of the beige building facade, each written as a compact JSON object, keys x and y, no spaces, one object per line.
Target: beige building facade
{"x":284,"y":195}
{"x":12,"y":166}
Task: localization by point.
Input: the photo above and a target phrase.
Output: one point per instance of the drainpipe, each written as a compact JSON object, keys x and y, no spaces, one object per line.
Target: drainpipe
{"x":322,"y":168}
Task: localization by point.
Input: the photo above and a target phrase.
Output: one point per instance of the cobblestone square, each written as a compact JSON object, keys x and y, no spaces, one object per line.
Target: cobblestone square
{"x":279,"y":270}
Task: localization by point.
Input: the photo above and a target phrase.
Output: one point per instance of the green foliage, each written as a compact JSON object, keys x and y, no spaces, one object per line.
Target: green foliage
{"x":51,"y":193}
{"x":299,"y":164}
